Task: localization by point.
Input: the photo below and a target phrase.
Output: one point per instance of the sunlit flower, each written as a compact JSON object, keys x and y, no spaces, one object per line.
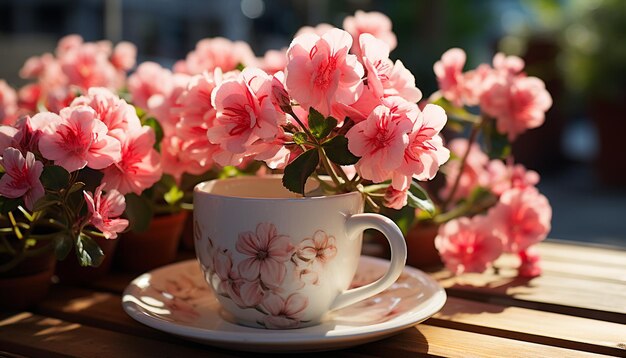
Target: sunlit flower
{"x":21,"y":178}
{"x":105,"y":211}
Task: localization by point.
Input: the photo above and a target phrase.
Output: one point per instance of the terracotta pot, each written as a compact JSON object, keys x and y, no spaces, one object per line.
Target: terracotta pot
{"x":187,"y":241}
{"x":71,"y":272}
{"x":27,"y":283}
{"x":420,"y":242}
{"x":157,"y":246}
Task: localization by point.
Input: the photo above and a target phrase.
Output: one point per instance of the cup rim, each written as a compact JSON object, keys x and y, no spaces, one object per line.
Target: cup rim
{"x":198,"y":190}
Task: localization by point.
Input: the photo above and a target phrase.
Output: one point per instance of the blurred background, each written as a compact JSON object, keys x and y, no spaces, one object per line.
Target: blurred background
{"x":576,"y":46}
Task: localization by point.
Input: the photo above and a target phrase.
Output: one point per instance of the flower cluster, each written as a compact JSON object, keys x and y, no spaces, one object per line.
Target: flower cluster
{"x":490,"y":206}
{"x":263,"y":278}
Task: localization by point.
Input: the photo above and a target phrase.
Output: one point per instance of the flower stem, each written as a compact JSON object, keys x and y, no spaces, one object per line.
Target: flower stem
{"x":304,"y":128}
{"x":457,"y":180}
{"x":328,"y":167}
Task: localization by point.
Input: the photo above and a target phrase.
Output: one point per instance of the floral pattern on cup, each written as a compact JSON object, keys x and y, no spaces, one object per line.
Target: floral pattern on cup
{"x":179,"y":295}
{"x":256,"y":280}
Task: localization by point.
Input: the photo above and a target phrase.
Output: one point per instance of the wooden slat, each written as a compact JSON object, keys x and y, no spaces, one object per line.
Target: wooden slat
{"x":570,"y":252}
{"x":533,"y":326}
{"x":425,"y":339}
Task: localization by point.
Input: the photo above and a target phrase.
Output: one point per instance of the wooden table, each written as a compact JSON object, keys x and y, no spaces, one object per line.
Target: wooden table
{"x":576,"y":308}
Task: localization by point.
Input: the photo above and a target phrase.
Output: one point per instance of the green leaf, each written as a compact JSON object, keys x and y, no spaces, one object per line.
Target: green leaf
{"x":173,"y":195}
{"x":298,"y":171}
{"x":405,"y":219}
{"x":229,"y":172}
{"x":158,"y":130}
{"x":319,"y":126}
{"x":62,"y":246}
{"x":8,"y":204}
{"x":139,"y":212}
{"x":337,"y":151}
{"x":76,"y":187}
{"x":54,"y":177}
{"x":418,"y":198}
{"x":240,"y":66}
{"x":140,"y":111}
{"x":300,"y":138}
{"x":88,"y":252}
{"x":497,"y":144}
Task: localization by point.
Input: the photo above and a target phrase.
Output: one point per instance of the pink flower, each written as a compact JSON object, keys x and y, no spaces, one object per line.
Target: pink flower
{"x":320,"y":72}
{"x":530,"y":263}
{"x":149,"y":79}
{"x":475,"y":83}
{"x":87,"y":65}
{"x":521,"y":218}
{"x":375,"y":23}
{"x":274,"y":61}
{"x":449,"y":75}
{"x":124,"y":56}
{"x":319,"y":29}
{"x":243,"y":293}
{"x":139,"y":167}
{"x":21,"y":178}
{"x":317,"y":250}
{"x":474,"y":174}
{"x":468,"y":245}
{"x":245,"y":113}
{"x":8,"y":104}
{"x":511,"y":65}
{"x":213,"y":53}
{"x":105,"y":211}
{"x":176,"y":157}
{"x":503,"y":177}
{"x":380,"y":141}
{"x":383,"y":77}
{"x":284,"y":313}
{"x":395,"y":199}
{"x":266,"y":252}
{"x":114,"y":112}
{"x":77,"y":138}
{"x":425,"y":152}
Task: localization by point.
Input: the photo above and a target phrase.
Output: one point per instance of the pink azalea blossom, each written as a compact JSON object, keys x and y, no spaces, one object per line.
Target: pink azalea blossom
{"x":266,"y":253}
{"x":508,"y":64}
{"x":474,"y":173}
{"x":468,"y":245}
{"x":521,"y":218}
{"x":105,"y":211}
{"x":87,"y":65}
{"x":246,"y":114}
{"x":164,"y":106}
{"x":243,"y":293}
{"x":77,"y":138}
{"x":317,"y":250}
{"x":8,"y":104}
{"x":113,"y":111}
{"x":124,"y":56}
{"x":213,"y":53}
{"x":320,"y":72}
{"x":140,"y":165}
{"x":395,"y":199}
{"x":149,"y":79}
{"x":449,"y":75}
{"x":21,"y":178}
{"x":530,"y":263}
{"x":503,"y":177}
{"x":274,"y":61}
{"x":425,"y":152}
{"x":475,"y":83}
{"x":380,"y":141}
{"x":319,"y":29}
{"x":284,"y":313}
{"x":374,"y":23}
{"x":176,"y":158}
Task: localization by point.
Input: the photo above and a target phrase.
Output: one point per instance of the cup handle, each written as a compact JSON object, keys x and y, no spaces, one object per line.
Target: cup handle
{"x":356,"y":224}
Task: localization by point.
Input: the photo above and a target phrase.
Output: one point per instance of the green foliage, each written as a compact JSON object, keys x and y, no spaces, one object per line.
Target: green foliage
{"x":174,"y":195}
{"x":158,"y":130}
{"x":62,"y":245}
{"x":298,"y":171}
{"x":418,"y":198}
{"x":337,"y":151}
{"x":88,"y":252}
{"x":139,"y":212}
{"x":497,"y":144}
{"x":300,"y":138}
{"x":54,"y":177}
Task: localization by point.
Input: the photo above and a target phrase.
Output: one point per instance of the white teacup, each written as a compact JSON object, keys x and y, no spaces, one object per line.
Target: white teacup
{"x":277,"y":260}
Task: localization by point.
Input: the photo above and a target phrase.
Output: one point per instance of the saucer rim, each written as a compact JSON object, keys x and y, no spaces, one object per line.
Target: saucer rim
{"x":289,"y":337}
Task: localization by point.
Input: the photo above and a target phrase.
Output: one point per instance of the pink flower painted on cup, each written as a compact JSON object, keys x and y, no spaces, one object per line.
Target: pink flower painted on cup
{"x":321,"y":74}
{"x":139,"y":166}
{"x":284,"y":313}
{"x":185,"y":288}
{"x":380,"y":141}
{"x":449,"y":72}
{"x":395,"y":199}
{"x":105,"y":211}
{"x":425,"y":152}
{"x":8,"y":104}
{"x":317,"y":250}
{"x":181,"y":310}
{"x":244,"y":293}
{"x":77,"y":138}
{"x":468,"y":245}
{"x":212,"y":53}
{"x":245,"y":113}
{"x":521,"y":218}
{"x":530,"y":263}
{"x":266,"y":252}
{"x":21,"y":178}
{"x":374,"y":23}
{"x":113,"y":111}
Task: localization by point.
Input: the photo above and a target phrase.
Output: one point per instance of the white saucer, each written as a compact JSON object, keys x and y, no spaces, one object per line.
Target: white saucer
{"x":176,"y":299}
